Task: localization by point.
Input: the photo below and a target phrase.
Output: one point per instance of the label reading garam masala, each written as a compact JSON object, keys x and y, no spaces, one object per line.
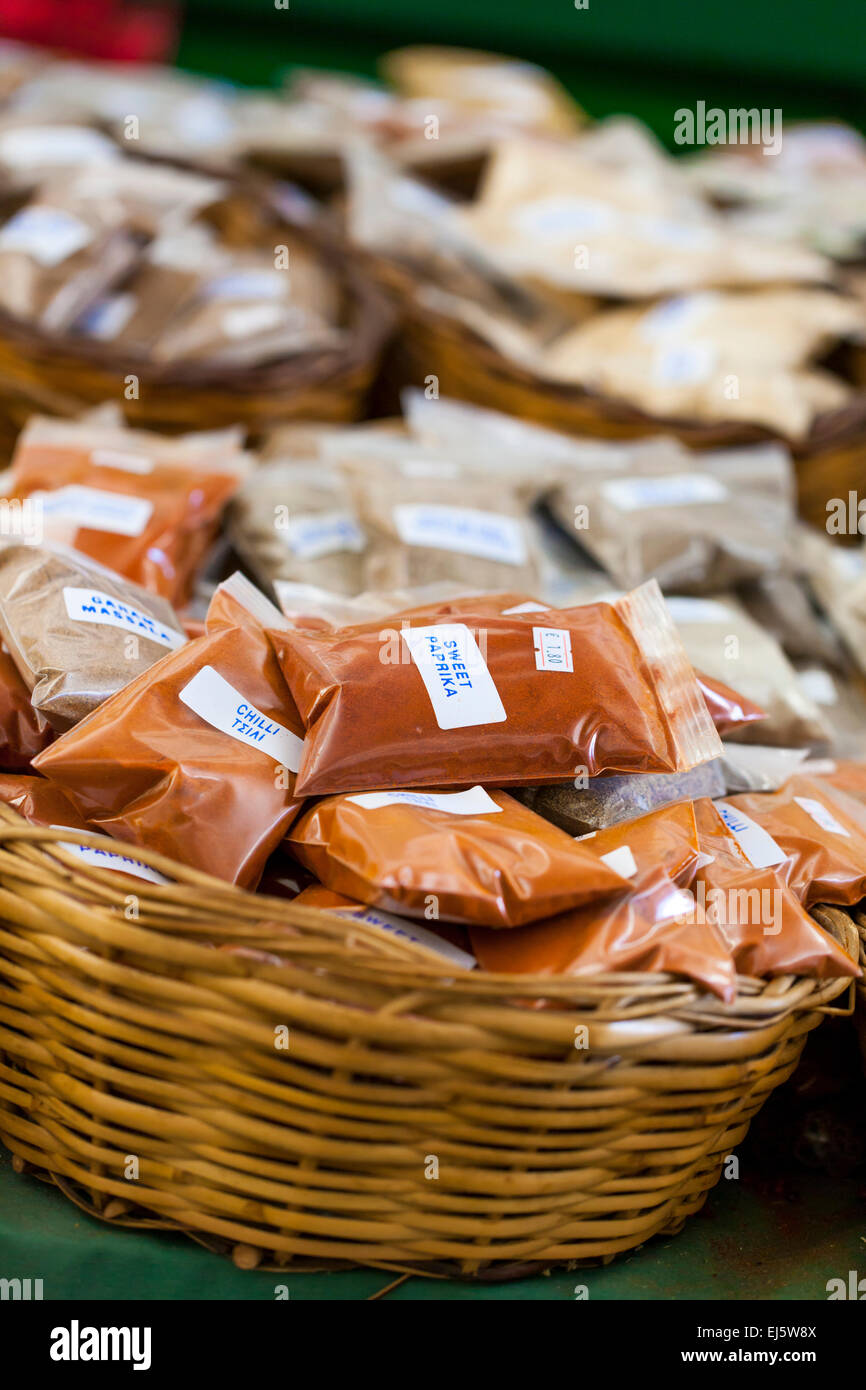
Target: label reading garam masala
{"x":455,"y":675}
{"x":217,"y":702}
{"x":94,"y":606}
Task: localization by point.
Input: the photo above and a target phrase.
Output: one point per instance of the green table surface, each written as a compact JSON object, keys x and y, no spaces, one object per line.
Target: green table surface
{"x":758,"y":1237}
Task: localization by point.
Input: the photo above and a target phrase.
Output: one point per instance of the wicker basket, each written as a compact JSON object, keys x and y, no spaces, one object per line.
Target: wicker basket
{"x":127,"y":1037}
{"x":830,"y":462}
{"x":63,"y":375}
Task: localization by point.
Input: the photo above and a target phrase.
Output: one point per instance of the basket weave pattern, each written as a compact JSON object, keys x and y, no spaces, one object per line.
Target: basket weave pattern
{"x":125,"y":1034}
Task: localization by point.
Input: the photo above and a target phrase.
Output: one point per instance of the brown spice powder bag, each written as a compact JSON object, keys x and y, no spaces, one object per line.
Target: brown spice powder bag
{"x":196,"y":757}
{"x":77,"y":632}
{"x":603,"y":687}
{"x":649,"y":929}
{"x":760,"y":918}
{"x":812,"y":833}
{"x":146,"y":506}
{"x":476,"y":856}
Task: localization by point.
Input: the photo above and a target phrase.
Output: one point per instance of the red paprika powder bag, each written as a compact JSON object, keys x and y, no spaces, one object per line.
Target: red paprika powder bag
{"x":23,"y":731}
{"x":651,"y":928}
{"x":728,"y":709}
{"x":196,"y":757}
{"x":471,"y":856}
{"x":766,"y":928}
{"x":811,"y":833}
{"x":605,"y":687}
{"x":145,"y":505}
{"x":666,"y":839}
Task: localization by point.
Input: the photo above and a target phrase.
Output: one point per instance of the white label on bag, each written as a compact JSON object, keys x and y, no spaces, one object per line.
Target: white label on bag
{"x":674,"y":317}
{"x":560,"y":216}
{"x":251,"y":318}
{"x":429,"y":468}
{"x":91,"y":509}
{"x":49,"y":235}
{"x":399,"y":926}
{"x":455,"y":675}
{"x":822,"y":816}
{"x":529,"y":607}
{"x":109,"y":859}
{"x":108,"y":317}
{"x":247,"y":284}
{"x":55,"y":144}
{"x":621,"y":860}
{"x":673,"y":490}
{"x":552,"y":649}
{"x":684,"y":364}
{"x":213,"y":699}
{"x":466,"y":530}
{"x":124,"y":463}
{"x":93,"y":606}
{"x":474,"y":802}
{"x":310,"y":535}
{"x":759,"y":848}
{"x":818,"y":685}
{"x":698,"y":610}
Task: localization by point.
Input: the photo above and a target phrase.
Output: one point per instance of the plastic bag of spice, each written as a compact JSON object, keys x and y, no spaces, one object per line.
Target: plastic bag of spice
{"x":762,"y":921}
{"x":196,"y":757}
{"x":143,"y":504}
{"x":727,"y":645}
{"x":56,"y":257}
{"x":470,"y":856}
{"x":76,"y":631}
{"x":24,"y":732}
{"x":607,"y":801}
{"x":504,"y":700}
{"x":812,"y":832}
{"x":292,"y":521}
{"x":306,"y":605}
{"x":650,"y":928}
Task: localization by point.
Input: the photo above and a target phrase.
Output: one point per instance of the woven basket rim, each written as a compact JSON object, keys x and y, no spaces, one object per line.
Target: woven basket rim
{"x":836,"y":427}
{"x":644,"y":995}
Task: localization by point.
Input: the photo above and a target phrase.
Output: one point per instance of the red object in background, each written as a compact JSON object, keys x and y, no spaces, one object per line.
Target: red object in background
{"x":94,"y":28}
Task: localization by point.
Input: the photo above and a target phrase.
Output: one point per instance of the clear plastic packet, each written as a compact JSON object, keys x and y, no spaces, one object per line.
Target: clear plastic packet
{"x":696,"y":523}
{"x":837,"y":579}
{"x":58,"y":256}
{"x":814,"y":834}
{"x":38,"y":147}
{"x":650,"y":929}
{"x":425,"y":529}
{"x":780,"y":604}
{"x":24,"y":732}
{"x":145,"y":505}
{"x":679,"y":358}
{"x":292,"y":521}
{"x":727,"y":645}
{"x":76,"y":631}
{"x":306,"y":605}
{"x":469,"y":856}
{"x":841,"y":698}
{"x":251,"y":310}
{"x":608,"y":801}
{"x":500,"y":700}
{"x":39,"y":801}
{"x":196,"y":758}
{"x":755,"y":767}
{"x":766,"y":928}
{"x":147,"y":197}
{"x":665,"y":838}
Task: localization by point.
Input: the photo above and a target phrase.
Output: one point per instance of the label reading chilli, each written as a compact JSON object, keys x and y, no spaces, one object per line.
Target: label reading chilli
{"x":215,"y":700}
{"x":455,"y":675}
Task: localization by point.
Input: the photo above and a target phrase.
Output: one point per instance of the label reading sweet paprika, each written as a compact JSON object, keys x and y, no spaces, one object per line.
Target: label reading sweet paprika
{"x":215,"y":700}
{"x":455,"y":675}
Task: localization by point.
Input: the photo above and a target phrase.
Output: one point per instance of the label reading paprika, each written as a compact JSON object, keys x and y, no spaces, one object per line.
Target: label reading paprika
{"x":217,"y":702}
{"x":397,"y":926}
{"x":455,"y":675}
{"x":108,"y":859}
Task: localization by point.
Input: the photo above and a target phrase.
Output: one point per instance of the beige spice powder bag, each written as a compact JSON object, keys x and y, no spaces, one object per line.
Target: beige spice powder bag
{"x":77,"y":631}
{"x":293,"y":521}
